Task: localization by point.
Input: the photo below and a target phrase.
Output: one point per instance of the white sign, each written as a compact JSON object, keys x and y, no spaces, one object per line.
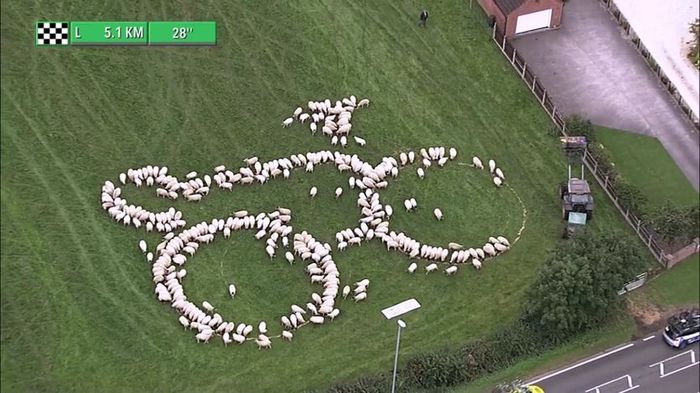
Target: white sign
{"x":401,"y":308}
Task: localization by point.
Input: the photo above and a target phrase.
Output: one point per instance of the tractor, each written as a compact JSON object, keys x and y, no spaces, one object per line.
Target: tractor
{"x":575,"y":193}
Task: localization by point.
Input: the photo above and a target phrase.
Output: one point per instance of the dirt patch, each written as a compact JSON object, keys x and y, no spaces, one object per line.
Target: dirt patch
{"x":650,"y":317}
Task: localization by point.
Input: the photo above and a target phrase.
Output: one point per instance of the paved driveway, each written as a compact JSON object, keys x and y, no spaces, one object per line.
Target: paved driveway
{"x":589,"y":68}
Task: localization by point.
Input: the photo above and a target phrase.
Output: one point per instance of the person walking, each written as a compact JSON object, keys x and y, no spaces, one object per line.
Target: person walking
{"x":423,"y":18}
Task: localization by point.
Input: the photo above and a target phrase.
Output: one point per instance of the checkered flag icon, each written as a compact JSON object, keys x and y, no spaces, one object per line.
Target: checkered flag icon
{"x":52,"y":33}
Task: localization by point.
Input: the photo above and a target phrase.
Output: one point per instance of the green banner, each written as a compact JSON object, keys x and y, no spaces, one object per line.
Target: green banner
{"x":109,"y":33}
{"x":182,"y":33}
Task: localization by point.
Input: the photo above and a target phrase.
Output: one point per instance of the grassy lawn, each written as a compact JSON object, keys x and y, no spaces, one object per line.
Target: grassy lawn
{"x":644,"y":162}
{"x":78,"y":311}
{"x":678,"y":286}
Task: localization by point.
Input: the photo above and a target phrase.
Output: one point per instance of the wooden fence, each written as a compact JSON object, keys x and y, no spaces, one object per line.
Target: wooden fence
{"x":653,"y":65}
{"x":644,"y":231}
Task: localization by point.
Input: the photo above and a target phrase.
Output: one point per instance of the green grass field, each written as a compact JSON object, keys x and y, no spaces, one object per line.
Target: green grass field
{"x":78,"y":311}
{"x":678,"y":286}
{"x":643,"y":161}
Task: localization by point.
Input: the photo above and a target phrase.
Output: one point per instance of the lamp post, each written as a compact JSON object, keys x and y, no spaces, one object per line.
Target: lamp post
{"x":402,"y":325}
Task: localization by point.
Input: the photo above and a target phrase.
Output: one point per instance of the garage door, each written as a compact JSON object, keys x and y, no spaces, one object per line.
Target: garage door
{"x":533,"y":21}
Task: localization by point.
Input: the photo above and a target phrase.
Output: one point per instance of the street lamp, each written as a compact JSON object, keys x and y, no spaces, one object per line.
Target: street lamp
{"x":402,"y":325}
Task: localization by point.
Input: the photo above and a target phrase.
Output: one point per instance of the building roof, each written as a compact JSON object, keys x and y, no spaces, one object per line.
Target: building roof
{"x":508,"y":6}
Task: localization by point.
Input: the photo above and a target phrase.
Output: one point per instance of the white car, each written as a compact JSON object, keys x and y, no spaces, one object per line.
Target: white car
{"x":683,"y":329}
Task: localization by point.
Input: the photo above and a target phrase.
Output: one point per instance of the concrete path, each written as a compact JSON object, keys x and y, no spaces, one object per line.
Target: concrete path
{"x":644,"y":366}
{"x":588,"y":68}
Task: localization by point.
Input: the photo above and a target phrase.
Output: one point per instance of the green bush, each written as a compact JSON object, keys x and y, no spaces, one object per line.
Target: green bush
{"x":694,"y":53}
{"x":629,"y":196}
{"x":577,"y":287}
{"x":578,"y":126}
{"x":675,"y":225}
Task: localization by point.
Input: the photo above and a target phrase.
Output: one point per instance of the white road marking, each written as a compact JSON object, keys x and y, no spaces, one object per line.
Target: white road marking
{"x":629,"y":385}
{"x":649,"y":338}
{"x":554,"y":374}
{"x":662,"y":372}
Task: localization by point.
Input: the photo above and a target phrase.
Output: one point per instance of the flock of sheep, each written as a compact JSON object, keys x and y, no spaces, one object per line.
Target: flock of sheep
{"x":275,"y":229}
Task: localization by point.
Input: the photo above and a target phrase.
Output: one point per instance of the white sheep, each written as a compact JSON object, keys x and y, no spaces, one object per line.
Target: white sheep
{"x":453,"y":153}
{"x":316,"y":319}
{"x":287,"y":335}
{"x":503,"y":240}
{"x":346,"y":291}
{"x":477,"y":162}
{"x":143,"y":246}
{"x":476,"y":263}
{"x":207,"y":306}
{"x":338,"y":192}
{"x":497,"y":181}
{"x":431,"y":268}
{"x":360,"y":141}
{"x":232,"y":290}
{"x":451,"y":270}
{"x":492,"y":165}
{"x":360,"y":296}
{"x":412,"y":268}
{"x":438,"y":214}
{"x":262,"y":327}
{"x":455,"y":246}
{"x":420,"y":172}
{"x":499,"y":173}
{"x":313,"y":192}
{"x":287,"y":122}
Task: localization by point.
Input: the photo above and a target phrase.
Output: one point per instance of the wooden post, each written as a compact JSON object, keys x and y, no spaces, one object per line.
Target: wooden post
{"x":639,"y":223}
{"x":544,"y":95}
{"x":523,"y":73}
{"x":503,"y":45}
{"x":513,"y":59}
{"x":493,"y":32}
{"x":534,"y":80}
{"x":606,"y":183}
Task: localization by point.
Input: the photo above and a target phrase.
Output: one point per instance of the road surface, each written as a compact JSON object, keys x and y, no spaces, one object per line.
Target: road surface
{"x":645,"y":366}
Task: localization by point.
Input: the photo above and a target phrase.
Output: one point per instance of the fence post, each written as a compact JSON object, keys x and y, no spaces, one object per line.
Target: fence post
{"x":513,"y":59}
{"x":503,"y":45}
{"x":606,"y":183}
{"x":522,"y":75}
{"x":534,"y":81}
{"x":544,"y":95}
{"x":493,"y":32}
{"x":639,"y":223}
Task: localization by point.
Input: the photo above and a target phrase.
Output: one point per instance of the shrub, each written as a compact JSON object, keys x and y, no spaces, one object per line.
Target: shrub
{"x":694,"y":53}
{"x":629,"y":196}
{"x":578,"y":126}
{"x":577,"y":287}
{"x":676,"y":226}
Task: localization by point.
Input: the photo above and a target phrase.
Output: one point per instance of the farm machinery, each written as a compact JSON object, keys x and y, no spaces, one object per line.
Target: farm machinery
{"x":575,"y":193}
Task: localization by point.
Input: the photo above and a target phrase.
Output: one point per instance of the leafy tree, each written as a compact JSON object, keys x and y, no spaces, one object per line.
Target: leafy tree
{"x":577,"y":287}
{"x":578,"y":126}
{"x":675,"y":225}
{"x":694,"y":53}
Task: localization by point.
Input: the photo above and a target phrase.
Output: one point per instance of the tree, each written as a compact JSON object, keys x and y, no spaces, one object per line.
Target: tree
{"x":577,"y":287}
{"x":675,"y":225}
{"x":694,"y":53}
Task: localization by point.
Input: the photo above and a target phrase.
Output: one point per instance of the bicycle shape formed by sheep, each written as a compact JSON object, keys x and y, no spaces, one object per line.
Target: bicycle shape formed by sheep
{"x":275,"y":227}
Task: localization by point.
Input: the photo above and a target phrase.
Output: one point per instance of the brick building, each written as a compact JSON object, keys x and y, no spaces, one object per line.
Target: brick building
{"x":522,"y":16}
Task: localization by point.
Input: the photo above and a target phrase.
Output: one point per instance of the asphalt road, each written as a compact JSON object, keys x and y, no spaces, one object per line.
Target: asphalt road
{"x":649,"y":366}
